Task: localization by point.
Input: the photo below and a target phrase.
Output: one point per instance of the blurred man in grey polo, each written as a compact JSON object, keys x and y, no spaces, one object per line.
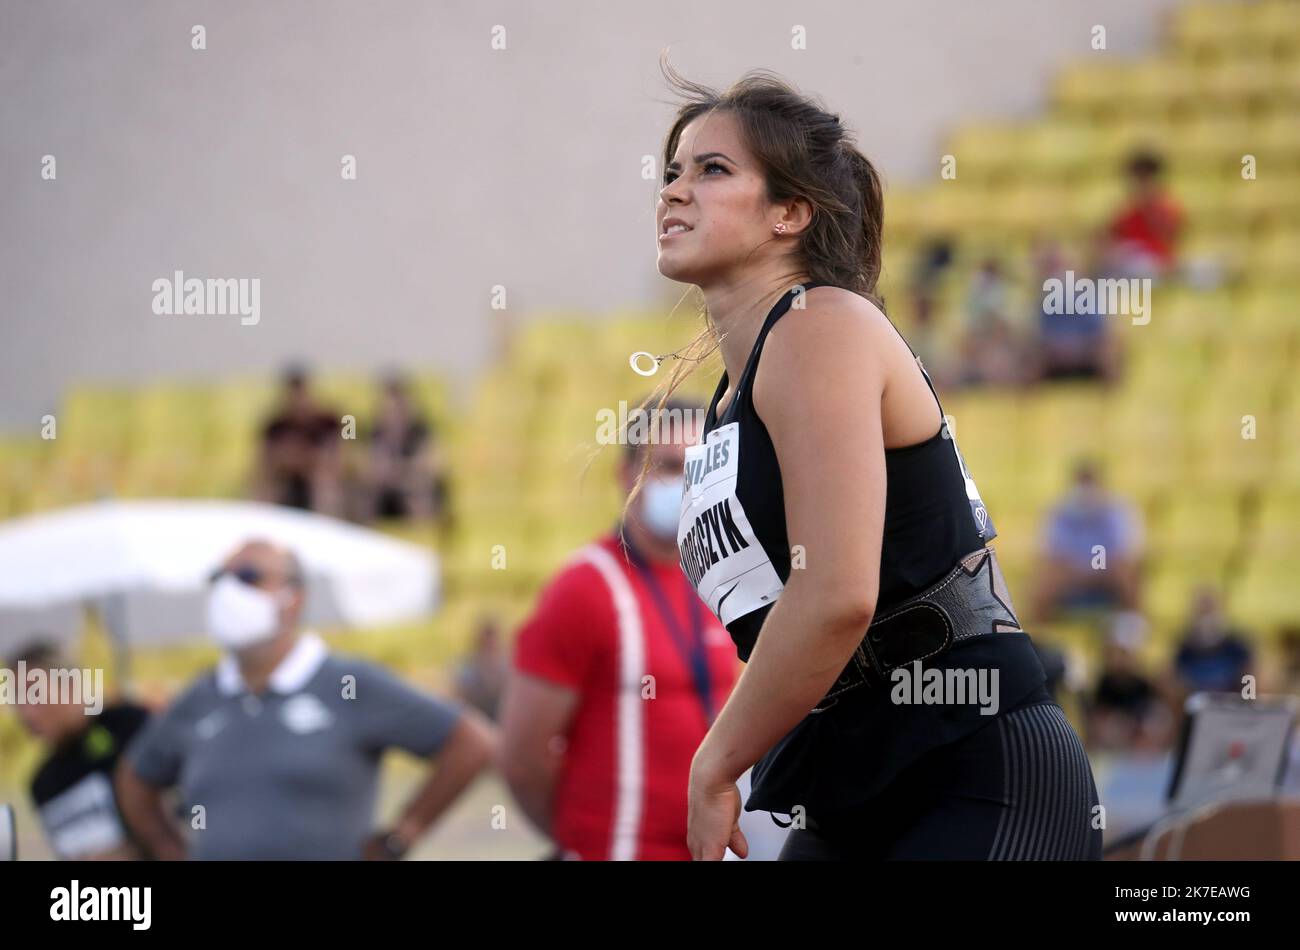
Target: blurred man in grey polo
{"x":276,"y":752}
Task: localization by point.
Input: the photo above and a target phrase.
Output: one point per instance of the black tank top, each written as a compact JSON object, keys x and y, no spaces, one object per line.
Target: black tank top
{"x":734,"y":547}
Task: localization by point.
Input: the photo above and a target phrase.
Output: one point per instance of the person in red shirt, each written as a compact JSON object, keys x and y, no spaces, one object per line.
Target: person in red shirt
{"x":618,"y":674}
{"x":1142,"y":237}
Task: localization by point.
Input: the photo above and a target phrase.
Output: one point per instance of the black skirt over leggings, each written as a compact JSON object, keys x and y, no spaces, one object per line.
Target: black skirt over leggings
{"x":1019,"y":788}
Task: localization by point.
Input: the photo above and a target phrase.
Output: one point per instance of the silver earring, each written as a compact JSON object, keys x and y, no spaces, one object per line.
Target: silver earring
{"x":780,"y":228}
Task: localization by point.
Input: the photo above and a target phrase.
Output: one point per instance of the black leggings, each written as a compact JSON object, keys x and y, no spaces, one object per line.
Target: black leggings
{"x":1019,"y":788}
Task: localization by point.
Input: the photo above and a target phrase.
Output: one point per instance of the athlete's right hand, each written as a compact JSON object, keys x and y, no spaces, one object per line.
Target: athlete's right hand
{"x":713,"y":819}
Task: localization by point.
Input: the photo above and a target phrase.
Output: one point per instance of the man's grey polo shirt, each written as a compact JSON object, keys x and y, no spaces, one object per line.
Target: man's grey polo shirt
{"x":290,"y":773}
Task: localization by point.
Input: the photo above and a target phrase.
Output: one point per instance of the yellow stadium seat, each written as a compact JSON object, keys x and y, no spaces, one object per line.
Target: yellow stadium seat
{"x":162,"y":475}
{"x":1194,"y":523}
{"x":1216,"y":29}
{"x":1116,"y":139}
{"x":954,"y":206}
{"x":1087,"y":86}
{"x":1232,"y":82}
{"x":1161,"y":370}
{"x":1172,"y":581}
{"x":1209,"y":200}
{"x":1211,"y":139}
{"x":1061,"y":426}
{"x":1191,"y":317}
{"x":984,"y":148}
{"x":1277,"y":260}
{"x":1054,"y":146}
{"x":1263,"y":596}
{"x":1276,"y":526}
{"x":1278,"y":23}
{"x":1142,"y":469}
{"x":433,"y":396}
{"x":1162,"y":82}
{"x":1019,"y":525}
{"x":1073,"y":90}
{"x":1089,"y":206}
{"x":1266,"y":314}
{"x":237,"y":410}
{"x":1271,"y":198}
{"x":1222,"y":450}
{"x":1247,"y":363}
{"x":170,"y":419}
{"x":900,"y":214}
{"x":23,"y":464}
{"x":1029,"y":207}
{"x":1287,"y":91}
{"x":94,"y":420}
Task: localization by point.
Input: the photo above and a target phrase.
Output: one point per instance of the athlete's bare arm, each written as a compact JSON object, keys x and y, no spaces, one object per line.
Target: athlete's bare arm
{"x":818,"y":390}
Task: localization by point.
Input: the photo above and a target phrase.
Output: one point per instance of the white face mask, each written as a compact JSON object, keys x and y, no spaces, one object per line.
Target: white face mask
{"x":240,"y":615}
{"x":661,"y":506}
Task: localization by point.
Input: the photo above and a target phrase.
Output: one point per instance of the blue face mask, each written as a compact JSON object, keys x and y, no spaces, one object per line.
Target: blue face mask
{"x":661,"y":506}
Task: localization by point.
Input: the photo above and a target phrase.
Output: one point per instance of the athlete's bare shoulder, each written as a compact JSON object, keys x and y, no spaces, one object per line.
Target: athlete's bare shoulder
{"x":840,"y":339}
{"x":832,"y":317}
{"x":828,"y":334}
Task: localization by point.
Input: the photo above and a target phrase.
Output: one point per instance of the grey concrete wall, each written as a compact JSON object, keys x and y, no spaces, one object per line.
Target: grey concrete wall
{"x":476,"y":167}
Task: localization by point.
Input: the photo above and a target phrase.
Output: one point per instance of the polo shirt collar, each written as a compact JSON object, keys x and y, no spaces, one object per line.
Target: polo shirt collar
{"x":290,"y":675}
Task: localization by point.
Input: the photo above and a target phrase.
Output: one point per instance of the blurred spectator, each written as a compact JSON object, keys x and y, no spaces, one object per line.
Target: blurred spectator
{"x":595,"y":765}
{"x":1212,"y":655}
{"x":1290,"y":644}
{"x":73,"y":786}
{"x":404,"y":473}
{"x":481,"y":676}
{"x":931,"y":265}
{"x":1071,"y":345}
{"x":1126,"y":711}
{"x":1289,"y":640}
{"x":923,"y":334}
{"x":299,"y":464}
{"x":1141,"y":240}
{"x":1091,"y":544}
{"x":991,"y":354}
{"x":276,"y":752}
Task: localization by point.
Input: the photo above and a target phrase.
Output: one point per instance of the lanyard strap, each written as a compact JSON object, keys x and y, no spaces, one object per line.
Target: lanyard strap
{"x":690,"y":646}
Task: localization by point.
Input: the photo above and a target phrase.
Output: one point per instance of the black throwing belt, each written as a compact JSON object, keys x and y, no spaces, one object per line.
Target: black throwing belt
{"x":971,"y":600}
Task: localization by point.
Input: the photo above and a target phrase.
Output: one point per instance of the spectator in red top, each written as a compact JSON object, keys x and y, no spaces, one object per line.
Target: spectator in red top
{"x":618,"y":674}
{"x":1142,"y":238}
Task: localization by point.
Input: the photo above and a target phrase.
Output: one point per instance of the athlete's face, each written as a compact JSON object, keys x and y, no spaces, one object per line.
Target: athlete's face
{"x":715,"y":187}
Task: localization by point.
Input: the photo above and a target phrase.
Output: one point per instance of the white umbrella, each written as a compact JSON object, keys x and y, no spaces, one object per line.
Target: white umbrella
{"x":149,"y":561}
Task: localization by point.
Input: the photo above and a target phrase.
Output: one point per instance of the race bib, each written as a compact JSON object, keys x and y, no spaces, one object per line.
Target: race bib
{"x":716,"y":543}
